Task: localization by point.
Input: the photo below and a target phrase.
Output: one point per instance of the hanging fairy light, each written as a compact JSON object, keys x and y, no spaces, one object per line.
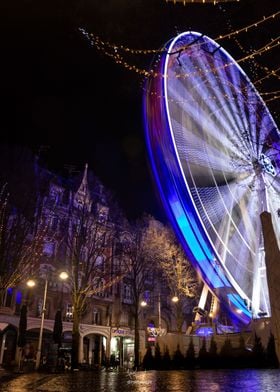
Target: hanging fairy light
{"x":121,"y":48}
{"x":202,"y":1}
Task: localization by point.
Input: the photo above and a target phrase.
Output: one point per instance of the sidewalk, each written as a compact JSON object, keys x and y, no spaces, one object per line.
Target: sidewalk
{"x":7,"y":374}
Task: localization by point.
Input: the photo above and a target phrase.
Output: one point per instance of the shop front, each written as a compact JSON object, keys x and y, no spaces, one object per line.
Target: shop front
{"x":122,"y":348}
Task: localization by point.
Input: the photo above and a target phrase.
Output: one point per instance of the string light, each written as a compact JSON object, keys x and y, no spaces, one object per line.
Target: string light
{"x":116,"y":47}
{"x":114,"y":52}
{"x":120,"y":60}
{"x":273,"y":44}
{"x":271,"y":92}
{"x":202,"y":1}
{"x":246,"y":28}
{"x":272,"y":99}
{"x":271,"y":73}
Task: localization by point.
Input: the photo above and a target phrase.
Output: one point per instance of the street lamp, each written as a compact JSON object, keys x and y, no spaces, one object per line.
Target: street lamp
{"x":31,"y":283}
{"x":175,"y":299}
{"x":63,"y":275}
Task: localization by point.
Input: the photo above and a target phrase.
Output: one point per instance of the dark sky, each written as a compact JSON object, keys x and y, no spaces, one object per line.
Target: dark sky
{"x":58,"y":91}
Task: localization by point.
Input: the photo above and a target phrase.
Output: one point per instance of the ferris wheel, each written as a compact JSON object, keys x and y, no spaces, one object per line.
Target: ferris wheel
{"x":215,"y":154}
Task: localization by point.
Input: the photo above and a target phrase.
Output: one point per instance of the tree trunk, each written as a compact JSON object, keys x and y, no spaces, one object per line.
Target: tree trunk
{"x":136,"y":342}
{"x":2,"y":296}
{"x":75,"y":342}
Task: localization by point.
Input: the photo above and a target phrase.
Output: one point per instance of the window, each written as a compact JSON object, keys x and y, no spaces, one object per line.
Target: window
{"x":48,"y":249}
{"x":54,"y":222}
{"x":99,"y":263}
{"x":96,"y":316}
{"x":39,"y":307}
{"x":102,"y":213}
{"x":147,"y":297}
{"x":100,"y":288}
{"x":18,"y":301}
{"x":8,"y":297}
{"x":127,"y":294}
{"x":55,"y":193}
{"x":69,"y":312}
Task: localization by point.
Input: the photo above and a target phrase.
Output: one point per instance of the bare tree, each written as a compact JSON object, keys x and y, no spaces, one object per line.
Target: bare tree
{"x":139,"y":260}
{"x":88,"y":240}
{"x":21,"y":244}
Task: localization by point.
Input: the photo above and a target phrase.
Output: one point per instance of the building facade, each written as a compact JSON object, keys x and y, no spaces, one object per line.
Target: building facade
{"x":75,"y":216}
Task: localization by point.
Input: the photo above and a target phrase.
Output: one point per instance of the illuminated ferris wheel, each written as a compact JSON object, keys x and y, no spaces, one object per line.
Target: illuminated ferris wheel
{"x":215,"y":154}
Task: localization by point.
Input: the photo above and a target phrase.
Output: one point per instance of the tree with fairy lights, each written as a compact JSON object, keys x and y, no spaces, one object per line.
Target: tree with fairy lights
{"x":176,"y":271}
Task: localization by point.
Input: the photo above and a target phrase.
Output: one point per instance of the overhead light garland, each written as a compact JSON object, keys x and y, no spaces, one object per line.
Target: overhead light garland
{"x":272,"y":72}
{"x":202,"y":1}
{"x":253,"y":65}
{"x":247,"y":28}
{"x":118,"y":58}
{"x":116,"y":47}
{"x":116,"y":52}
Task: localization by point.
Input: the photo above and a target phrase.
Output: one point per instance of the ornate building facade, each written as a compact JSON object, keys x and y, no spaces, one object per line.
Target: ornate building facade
{"x":77,"y":216}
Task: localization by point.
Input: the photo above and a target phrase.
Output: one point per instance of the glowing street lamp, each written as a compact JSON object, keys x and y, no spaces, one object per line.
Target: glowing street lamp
{"x":63,"y":275}
{"x":31,"y":283}
{"x":175,"y":299}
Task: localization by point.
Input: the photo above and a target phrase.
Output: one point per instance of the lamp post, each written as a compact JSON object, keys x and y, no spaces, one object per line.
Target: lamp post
{"x":39,"y":349}
{"x":144,"y":303}
{"x":159,"y":312}
{"x":156,"y":331}
{"x":31,"y":283}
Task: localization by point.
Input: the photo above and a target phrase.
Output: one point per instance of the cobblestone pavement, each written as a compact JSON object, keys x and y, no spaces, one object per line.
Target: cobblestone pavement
{"x":99,"y":381}
{"x":253,"y":380}
{"x":15,"y":382}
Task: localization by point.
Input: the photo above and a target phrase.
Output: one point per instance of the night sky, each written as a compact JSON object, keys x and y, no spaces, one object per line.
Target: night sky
{"x":71,"y":103}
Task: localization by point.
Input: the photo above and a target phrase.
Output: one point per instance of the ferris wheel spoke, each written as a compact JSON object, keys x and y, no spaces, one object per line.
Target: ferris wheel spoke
{"x":222,"y":143}
{"x":274,"y":186}
{"x":231,"y":87}
{"x":202,"y":166}
{"x":223,"y":102}
{"x":217,"y":204}
{"x":205,"y":90}
{"x":268,"y":135}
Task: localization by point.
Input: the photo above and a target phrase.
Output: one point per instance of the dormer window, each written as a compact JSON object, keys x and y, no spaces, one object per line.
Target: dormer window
{"x":103,"y":213}
{"x":55,"y":194}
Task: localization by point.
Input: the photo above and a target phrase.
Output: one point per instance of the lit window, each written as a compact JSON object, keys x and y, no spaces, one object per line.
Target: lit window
{"x":69,"y":312}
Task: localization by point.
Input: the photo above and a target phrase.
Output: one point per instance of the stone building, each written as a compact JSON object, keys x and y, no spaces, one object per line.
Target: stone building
{"x":106,"y":328}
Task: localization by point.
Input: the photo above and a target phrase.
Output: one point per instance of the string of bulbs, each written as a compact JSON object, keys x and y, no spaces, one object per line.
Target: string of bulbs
{"x":114,"y":51}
